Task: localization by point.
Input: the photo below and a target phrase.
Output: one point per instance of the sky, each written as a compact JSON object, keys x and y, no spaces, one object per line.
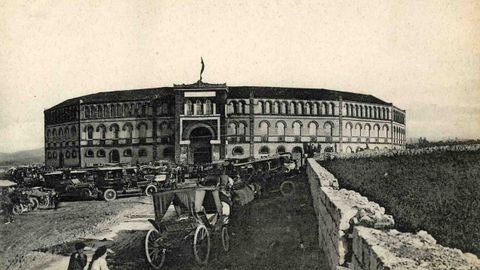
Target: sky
{"x":424,"y":56}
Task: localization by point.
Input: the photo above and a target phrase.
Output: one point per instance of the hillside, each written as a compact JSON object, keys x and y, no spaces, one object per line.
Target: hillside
{"x":22,"y":157}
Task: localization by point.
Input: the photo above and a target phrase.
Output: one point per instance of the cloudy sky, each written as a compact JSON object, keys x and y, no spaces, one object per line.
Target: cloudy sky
{"x":424,"y":56}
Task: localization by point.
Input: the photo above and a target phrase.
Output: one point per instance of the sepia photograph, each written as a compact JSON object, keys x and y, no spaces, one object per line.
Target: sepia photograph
{"x":223,"y":135}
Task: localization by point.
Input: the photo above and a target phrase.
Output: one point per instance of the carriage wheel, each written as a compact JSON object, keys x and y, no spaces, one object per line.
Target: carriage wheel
{"x":85,"y":194}
{"x":33,"y":203}
{"x":201,"y":244}
{"x":287,"y":188}
{"x":150,"y":189}
{"x":225,"y":239}
{"x":17,"y":209}
{"x":154,"y":252}
{"x":44,"y":202}
{"x":109,"y":195}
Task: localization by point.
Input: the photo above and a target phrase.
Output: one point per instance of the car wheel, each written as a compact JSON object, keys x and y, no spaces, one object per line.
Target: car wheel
{"x":109,"y":195}
{"x":150,"y":189}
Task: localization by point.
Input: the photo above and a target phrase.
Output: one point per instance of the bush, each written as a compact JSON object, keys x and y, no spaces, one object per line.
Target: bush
{"x":438,"y":192}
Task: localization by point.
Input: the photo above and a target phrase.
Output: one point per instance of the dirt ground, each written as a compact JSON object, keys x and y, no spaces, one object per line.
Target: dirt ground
{"x":274,"y":232}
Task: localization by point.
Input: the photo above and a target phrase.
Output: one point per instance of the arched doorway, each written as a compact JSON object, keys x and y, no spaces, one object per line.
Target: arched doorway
{"x":61,"y":160}
{"x":114,"y":156}
{"x":200,"y":147}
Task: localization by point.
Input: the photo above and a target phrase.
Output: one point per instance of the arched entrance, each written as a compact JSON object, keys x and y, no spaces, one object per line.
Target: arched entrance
{"x":114,"y":156}
{"x":200,"y":147}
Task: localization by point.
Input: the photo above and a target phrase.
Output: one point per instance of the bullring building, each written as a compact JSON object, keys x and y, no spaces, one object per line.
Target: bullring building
{"x":202,"y":122}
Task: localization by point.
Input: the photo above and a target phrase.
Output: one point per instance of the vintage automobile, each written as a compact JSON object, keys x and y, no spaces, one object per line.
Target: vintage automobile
{"x":72,"y":184}
{"x":199,"y":215}
{"x":270,"y":173}
{"x":112,"y":182}
{"x":162,"y":176}
{"x":77,"y":184}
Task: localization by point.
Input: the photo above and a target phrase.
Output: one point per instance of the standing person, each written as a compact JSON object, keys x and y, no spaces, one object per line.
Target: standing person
{"x":7,"y":206}
{"x":56,"y":201}
{"x":78,"y":260}
{"x":99,"y":259}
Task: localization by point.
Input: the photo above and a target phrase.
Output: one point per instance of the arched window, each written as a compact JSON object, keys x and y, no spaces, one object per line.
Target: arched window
{"x":237,"y":151}
{"x":54,"y":154}
{"x":264,"y":126}
{"x":242,"y":128}
{"x":308,"y":108}
{"x":208,"y":107}
{"x":300,"y":108}
{"x":283,"y":108}
{"x":100,"y":111}
{"x":376,"y":129}
{"x":115,"y":130}
{"x":264,"y":150}
{"x":165,"y":108}
{"x":113,"y":112}
{"x":119,"y":110}
{"x":54,"y":133}
{"x":60,"y":132}
{"x":165,"y":129}
{"x":293,"y":108}
{"x":328,"y":129}
{"x":94,"y":111}
{"x":233,"y":129}
{"x":74,"y":154}
{"x":126,"y":110}
{"x":268,"y":107}
{"x":260,"y":107}
{"x":358,"y":130}
{"x":49,"y":133}
{"x":89,"y":153}
{"x":127,"y":152}
{"x":103,"y":131}
{"x":89,"y":129}
{"x":297,"y":128}
{"x":87,"y":112}
{"x":325,"y":109}
{"x":241,"y":107}
{"x":385,"y":128}
{"x":142,"y":130}
{"x":49,"y":155}
{"x":142,"y":152}
{"x":349,"y":129}
{"x":101,"y":153}
{"x":198,"y":107}
{"x":281,"y":149}
{"x":128,"y":128}
{"x":315,"y":110}
{"x":368,"y":128}
{"x":349,"y":149}
{"x":280,"y":128}
{"x":312,"y":128}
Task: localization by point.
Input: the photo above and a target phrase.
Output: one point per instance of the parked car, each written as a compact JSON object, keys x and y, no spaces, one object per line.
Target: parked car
{"x":112,"y":182}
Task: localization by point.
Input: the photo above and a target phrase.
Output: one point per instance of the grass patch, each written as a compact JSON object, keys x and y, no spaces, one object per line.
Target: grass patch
{"x":438,"y":192}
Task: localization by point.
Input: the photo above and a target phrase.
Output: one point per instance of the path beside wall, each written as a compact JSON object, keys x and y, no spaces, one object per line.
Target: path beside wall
{"x":355,"y":233}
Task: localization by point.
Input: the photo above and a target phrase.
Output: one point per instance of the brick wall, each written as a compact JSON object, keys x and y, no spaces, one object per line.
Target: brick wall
{"x":355,"y":233}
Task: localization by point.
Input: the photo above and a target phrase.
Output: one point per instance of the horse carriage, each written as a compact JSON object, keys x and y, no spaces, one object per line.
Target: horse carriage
{"x":193,"y":215}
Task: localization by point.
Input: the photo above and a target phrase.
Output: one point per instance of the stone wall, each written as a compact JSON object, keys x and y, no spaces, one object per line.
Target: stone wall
{"x":355,"y":233}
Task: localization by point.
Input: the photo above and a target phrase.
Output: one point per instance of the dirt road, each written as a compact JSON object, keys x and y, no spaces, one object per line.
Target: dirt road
{"x":275,"y":232}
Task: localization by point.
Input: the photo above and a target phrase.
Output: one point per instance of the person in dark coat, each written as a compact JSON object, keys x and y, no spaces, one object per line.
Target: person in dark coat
{"x":78,"y":260}
{"x":7,"y":205}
